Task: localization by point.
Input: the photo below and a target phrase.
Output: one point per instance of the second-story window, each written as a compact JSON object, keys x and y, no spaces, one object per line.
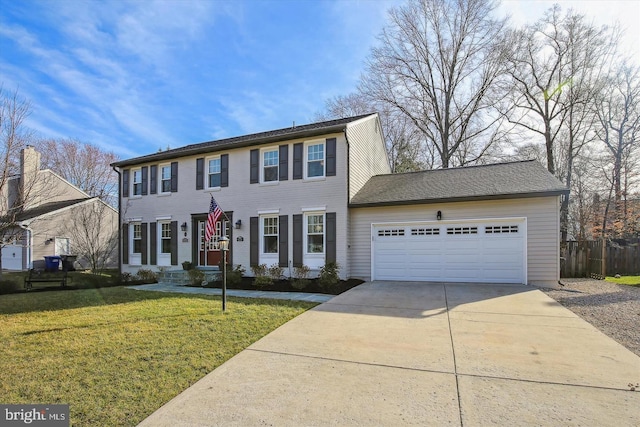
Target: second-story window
{"x":270,"y":165}
{"x":137,"y":182}
{"x":214,"y":174}
{"x":165,"y":179}
{"x":315,"y":160}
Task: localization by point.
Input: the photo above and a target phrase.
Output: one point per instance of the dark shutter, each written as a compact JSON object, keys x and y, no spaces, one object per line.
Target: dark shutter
{"x":297,"y":240}
{"x":143,"y":245}
{"x":174,"y":242}
{"x":283,"y":157}
{"x":224,"y":170}
{"x":253,"y":241}
{"x":125,"y":183}
{"x":153,"y":179}
{"x":331,"y":157}
{"x":330,"y":232}
{"x":283,"y":241}
{"x":297,"y":160}
{"x":125,"y":243}
{"x":174,"y":177}
{"x":199,"y":173}
{"x":153,"y":243}
{"x":254,"y":166}
{"x":145,"y":180}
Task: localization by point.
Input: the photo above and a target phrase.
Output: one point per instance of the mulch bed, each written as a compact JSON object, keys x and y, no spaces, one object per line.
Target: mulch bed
{"x":285,"y":286}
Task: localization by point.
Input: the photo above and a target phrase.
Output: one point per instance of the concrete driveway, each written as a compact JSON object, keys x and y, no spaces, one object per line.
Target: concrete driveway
{"x":396,"y":353}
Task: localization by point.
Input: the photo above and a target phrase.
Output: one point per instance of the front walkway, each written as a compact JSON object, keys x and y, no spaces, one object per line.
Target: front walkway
{"x":390,"y":354}
{"x":296,"y":296}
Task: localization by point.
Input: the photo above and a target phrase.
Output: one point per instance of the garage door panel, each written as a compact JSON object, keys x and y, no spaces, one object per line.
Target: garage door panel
{"x":458,"y":252}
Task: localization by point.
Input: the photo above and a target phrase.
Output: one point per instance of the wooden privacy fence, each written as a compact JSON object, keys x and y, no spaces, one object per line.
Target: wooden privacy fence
{"x":584,"y":259}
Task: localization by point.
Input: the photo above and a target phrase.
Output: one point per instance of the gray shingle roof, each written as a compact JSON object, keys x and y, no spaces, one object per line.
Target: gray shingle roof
{"x":497,"y":181}
{"x":47,"y":208}
{"x":313,"y":129}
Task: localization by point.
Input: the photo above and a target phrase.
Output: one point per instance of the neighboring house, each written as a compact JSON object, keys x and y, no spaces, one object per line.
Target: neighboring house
{"x":48,"y":220}
{"x":323,"y":192}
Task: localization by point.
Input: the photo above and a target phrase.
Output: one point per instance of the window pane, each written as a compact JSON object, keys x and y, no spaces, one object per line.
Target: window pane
{"x":137,"y":176}
{"x":315,"y":243}
{"x":271,"y":174}
{"x":137,"y":189}
{"x":270,"y":244}
{"x":214,"y":180}
{"x":315,"y":224}
{"x":166,"y":246}
{"x":166,"y":172}
{"x":214,"y":166}
{"x":315,"y":152}
{"x":270,"y":158}
{"x":137,"y":246}
{"x":137,"y":231}
{"x":166,"y":230}
{"x":315,"y":169}
{"x":166,"y":186}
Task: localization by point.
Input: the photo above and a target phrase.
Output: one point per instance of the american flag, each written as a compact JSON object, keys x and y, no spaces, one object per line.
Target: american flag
{"x":214,"y":215}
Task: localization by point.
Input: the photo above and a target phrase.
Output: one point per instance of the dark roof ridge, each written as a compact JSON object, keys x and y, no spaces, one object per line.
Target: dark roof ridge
{"x":461,"y":167}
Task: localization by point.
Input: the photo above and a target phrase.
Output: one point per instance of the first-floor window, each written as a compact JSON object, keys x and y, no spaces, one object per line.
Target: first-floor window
{"x":63,"y":246}
{"x":315,"y":233}
{"x":165,"y":238}
{"x":137,"y":238}
{"x":270,"y":235}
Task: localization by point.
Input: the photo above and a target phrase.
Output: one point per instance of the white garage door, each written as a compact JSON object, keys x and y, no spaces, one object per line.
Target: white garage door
{"x":12,"y":257}
{"x":489,"y":251}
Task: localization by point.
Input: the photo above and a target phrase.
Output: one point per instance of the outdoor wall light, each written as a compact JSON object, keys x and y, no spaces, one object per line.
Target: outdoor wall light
{"x":238,"y":224}
{"x":439,"y":215}
{"x":184,"y":228}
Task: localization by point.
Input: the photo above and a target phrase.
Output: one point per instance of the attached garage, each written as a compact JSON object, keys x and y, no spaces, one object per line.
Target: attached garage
{"x":483,"y":224}
{"x":487,"y":251}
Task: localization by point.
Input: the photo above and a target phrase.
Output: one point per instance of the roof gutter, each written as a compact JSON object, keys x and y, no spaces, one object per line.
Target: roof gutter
{"x":460,"y":199}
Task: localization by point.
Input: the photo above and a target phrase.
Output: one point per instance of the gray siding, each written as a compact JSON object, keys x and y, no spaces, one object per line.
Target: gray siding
{"x":247,"y":200}
{"x":367,"y":153}
{"x":543,"y":230}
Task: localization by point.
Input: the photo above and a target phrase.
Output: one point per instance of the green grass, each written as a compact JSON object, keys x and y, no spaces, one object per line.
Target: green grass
{"x":115,"y":354}
{"x":625,"y":280}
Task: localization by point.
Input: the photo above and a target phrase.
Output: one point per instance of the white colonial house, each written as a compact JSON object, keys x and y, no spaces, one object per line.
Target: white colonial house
{"x":323,"y":192}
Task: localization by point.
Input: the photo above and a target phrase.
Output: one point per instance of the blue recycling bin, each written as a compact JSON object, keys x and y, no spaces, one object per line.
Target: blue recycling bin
{"x":52,"y":263}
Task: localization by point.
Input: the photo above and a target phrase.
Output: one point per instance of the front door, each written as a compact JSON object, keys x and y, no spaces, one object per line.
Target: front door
{"x":209,"y":253}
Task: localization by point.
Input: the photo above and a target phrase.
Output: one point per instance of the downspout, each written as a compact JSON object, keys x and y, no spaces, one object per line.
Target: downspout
{"x":29,"y":244}
{"x":119,"y":219}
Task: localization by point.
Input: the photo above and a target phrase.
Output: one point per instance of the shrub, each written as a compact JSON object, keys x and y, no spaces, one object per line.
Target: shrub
{"x":8,"y":287}
{"x":329,"y":279}
{"x":300,"y":277}
{"x":234,"y":276}
{"x":147,"y":275}
{"x":275,"y":272}
{"x":196,"y":277}
{"x":187,"y":265}
{"x":126,"y":277}
{"x":262,"y":276}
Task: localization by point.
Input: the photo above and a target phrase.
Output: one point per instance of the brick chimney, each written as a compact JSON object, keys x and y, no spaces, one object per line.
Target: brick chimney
{"x":29,"y":167}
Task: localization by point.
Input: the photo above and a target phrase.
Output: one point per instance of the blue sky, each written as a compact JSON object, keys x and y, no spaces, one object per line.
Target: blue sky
{"x":136,"y":76}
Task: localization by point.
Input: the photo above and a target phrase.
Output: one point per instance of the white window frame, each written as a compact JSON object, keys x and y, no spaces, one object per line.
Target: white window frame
{"x":164,"y":258}
{"x":263,"y":166}
{"x":134,"y":172}
{"x":314,"y":260}
{"x":269,"y":258}
{"x":67,"y":243}
{"x":208,"y":160}
{"x":161,"y":179}
{"x":135,"y":258}
{"x":307,"y":145}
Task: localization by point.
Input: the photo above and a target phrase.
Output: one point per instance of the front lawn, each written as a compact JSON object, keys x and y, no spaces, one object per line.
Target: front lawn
{"x":625,"y":280}
{"x":115,"y":354}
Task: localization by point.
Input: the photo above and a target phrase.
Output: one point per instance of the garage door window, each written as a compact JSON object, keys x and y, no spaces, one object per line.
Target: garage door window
{"x":462,"y":230}
{"x":425,"y":231}
{"x":391,"y":232}
{"x":500,"y":229}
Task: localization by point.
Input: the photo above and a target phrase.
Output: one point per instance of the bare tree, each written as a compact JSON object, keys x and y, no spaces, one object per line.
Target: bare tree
{"x":437,"y":64}
{"x":94,"y":234}
{"x":84,"y":165}
{"x":14,"y":193}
